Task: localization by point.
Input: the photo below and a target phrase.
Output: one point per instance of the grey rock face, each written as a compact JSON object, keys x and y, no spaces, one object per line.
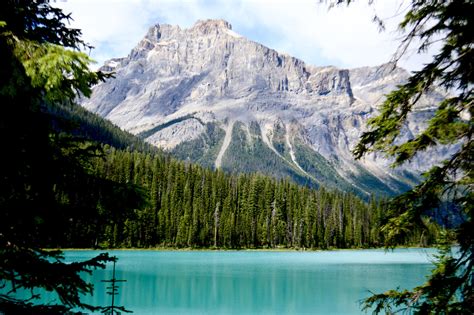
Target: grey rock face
{"x":177,"y":82}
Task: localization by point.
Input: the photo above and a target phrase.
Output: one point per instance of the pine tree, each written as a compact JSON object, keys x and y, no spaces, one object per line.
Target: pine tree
{"x":47,"y":185}
{"x":450,"y":289}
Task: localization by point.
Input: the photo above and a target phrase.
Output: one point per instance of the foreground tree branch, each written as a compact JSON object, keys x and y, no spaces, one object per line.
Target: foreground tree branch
{"x":449,"y":289}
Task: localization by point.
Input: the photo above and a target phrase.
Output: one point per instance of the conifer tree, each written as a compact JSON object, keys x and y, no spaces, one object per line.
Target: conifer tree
{"x":47,"y":187}
{"x":450,"y":288}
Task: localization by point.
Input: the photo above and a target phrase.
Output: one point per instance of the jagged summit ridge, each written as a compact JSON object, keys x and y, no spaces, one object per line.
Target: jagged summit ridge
{"x":205,"y":26}
{"x":158,"y":31}
{"x":211,"y":95}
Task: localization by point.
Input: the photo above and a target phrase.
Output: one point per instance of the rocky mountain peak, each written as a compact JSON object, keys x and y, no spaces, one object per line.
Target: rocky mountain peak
{"x":207,"y":26}
{"x":159,"y":31}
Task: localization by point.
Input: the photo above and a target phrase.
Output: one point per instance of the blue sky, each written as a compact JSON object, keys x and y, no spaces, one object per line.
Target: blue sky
{"x":306,"y":29}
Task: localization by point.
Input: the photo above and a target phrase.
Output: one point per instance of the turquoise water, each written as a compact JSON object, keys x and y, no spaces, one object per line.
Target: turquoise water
{"x":256,"y":282}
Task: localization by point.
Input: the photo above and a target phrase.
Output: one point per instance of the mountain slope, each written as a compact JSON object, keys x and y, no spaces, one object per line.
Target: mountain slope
{"x":209,"y":95}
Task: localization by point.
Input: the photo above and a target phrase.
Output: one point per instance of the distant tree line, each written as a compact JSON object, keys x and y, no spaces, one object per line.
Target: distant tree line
{"x":192,"y":206}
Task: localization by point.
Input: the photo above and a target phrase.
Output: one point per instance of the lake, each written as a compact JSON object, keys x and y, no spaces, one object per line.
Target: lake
{"x":256,"y":282}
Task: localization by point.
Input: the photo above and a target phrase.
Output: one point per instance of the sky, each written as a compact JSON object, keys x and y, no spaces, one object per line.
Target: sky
{"x":344,"y":36}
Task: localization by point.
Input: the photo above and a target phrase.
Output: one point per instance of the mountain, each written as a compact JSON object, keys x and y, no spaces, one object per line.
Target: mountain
{"x":208,"y":95}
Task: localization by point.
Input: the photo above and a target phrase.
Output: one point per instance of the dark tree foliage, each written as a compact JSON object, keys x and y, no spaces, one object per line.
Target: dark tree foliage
{"x":191,"y":206}
{"x":449,"y":289}
{"x":46,"y":182}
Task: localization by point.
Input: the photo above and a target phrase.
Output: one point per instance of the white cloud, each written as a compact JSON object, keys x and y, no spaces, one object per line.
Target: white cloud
{"x":344,"y":37}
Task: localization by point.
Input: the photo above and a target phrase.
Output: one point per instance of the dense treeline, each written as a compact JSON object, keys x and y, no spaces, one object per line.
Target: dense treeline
{"x":191,"y":206}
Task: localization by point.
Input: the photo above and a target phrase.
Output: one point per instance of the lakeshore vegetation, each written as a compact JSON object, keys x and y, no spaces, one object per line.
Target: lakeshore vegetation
{"x":191,"y":206}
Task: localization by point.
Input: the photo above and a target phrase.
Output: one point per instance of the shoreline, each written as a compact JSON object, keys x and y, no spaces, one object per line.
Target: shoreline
{"x":188,"y":249}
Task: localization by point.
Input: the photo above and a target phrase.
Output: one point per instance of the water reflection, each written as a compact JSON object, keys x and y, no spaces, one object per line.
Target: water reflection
{"x":161,"y":282}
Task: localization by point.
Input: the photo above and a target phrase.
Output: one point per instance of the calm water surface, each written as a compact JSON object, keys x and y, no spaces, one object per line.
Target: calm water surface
{"x":256,"y":282}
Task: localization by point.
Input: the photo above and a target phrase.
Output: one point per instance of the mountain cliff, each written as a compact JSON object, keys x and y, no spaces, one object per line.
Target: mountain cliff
{"x":208,"y":95}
